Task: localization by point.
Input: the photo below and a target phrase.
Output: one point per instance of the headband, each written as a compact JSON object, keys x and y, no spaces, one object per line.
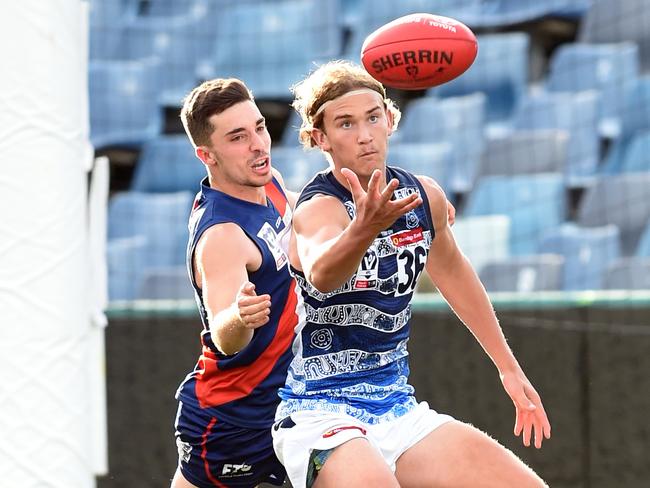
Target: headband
{"x":348,"y":94}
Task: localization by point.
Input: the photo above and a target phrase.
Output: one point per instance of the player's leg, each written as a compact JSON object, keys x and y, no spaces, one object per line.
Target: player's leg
{"x":355,"y":463}
{"x":459,"y":455}
{"x":180,"y":482}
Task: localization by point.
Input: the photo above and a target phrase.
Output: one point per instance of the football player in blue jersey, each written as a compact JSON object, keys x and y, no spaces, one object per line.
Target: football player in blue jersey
{"x":363,"y":233}
{"x":237,"y":263}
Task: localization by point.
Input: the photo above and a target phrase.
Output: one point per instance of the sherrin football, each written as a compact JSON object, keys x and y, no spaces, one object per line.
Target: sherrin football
{"x":419,"y":51}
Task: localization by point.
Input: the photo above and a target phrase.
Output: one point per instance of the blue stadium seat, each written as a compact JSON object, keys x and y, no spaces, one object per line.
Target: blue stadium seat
{"x":637,"y":154}
{"x":179,"y":43}
{"x":106,"y":19}
{"x":174,"y":8}
{"x":500,"y":71}
{"x":160,"y":217}
{"x":525,"y":152}
{"x":291,"y":129}
{"x":287,"y":40}
{"x":643,"y":249}
{"x":168,"y":164}
{"x":631,"y":273}
{"x":587,"y":253}
{"x":622,"y":200}
{"x":123,"y":106}
{"x":603,"y":67}
{"x":483,"y":238}
{"x":433,"y":159}
{"x":503,"y":13}
{"x":617,"y":21}
{"x":635,"y":119}
{"x":458,"y":121}
{"x":524,"y":274}
{"x":576,"y":113}
{"x":297,"y":165}
{"x":534,"y":203}
{"x":126,"y":261}
{"x":167,"y":283}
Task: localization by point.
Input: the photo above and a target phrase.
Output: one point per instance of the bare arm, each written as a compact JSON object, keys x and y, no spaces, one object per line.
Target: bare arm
{"x":330,"y":246}
{"x":223,"y":257}
{"x":457,"y":281}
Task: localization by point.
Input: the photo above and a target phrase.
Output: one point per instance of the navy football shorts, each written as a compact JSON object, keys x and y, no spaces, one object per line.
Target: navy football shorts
{"x":213,"y":453}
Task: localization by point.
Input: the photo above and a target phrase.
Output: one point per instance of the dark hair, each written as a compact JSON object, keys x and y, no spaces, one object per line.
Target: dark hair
{"x":210,"y":98}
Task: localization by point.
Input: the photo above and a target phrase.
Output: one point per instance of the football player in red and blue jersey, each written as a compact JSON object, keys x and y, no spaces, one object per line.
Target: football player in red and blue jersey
{"x":249,"y":305}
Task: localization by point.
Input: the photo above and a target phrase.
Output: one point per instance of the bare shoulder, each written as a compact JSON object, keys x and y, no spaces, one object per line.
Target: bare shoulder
{"x":225,"y":242}
{"x":437,"y":200}
{"x":320,"y":211}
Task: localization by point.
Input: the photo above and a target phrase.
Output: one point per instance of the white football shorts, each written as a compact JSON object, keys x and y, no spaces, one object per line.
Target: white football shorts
{"x":296,"y":436}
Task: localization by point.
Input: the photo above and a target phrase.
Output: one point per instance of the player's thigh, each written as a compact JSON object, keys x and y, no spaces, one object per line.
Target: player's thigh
{"x":355,"y":463}
{"x":180,"y":482}
{"x":459,"y":455}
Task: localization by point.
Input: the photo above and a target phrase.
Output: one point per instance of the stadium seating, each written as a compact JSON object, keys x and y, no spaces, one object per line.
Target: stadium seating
{"x":576,"y":113}
{"x":616,"y":21}
{"x":643,"y":249}
{"x":174,"y":8}
{"x":456,"y":120}
{"x":637,"y":154}
{"x":524,"y":274}
{"x":483,"y":238}
{"x":635,"y":119}
{"x":126,"y":261}
{"x":291,"y":129}
{"x":297,"y":165}
{"x":168,"y":164}
{"x":288,"y":39}
{"x":621,"y":200}
{"x":160,"y":217}
{"x":631,"y":273}
{"x":105,"y":20}
{"x":123,"y":106}
{"x":428,"y":159}
{"x":500,"y":71}
{"x":165,"y":283}
{"x":525,"y":152}
{"x":534,"y":203}
{"x":603,"y":67}
{"x":587,"y":252}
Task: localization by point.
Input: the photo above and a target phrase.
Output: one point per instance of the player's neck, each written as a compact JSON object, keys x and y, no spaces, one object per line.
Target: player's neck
{"x":248,"y":193}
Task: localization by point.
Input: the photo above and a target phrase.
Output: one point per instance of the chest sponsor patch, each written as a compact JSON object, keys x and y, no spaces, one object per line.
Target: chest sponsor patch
{"x":368,"y":271}
{"x":274,"y":243}
{"x":407,"y":237}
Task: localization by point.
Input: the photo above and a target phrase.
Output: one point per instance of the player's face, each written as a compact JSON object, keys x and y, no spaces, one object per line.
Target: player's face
{"x":356,"y":130}
{"x":239,"y":146}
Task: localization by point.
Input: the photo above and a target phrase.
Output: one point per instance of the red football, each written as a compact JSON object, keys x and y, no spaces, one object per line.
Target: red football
{"x":419,"y":51}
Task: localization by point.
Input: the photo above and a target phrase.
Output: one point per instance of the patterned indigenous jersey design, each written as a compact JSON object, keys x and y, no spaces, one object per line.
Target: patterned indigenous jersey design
{"x":242,"y":388}
{"x":350,"y":354}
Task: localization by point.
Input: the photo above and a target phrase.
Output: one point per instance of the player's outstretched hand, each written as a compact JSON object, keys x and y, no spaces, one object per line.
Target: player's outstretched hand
{"x":253,"y":309}
{"x":530,"y":414}
{"x":374,"y":207}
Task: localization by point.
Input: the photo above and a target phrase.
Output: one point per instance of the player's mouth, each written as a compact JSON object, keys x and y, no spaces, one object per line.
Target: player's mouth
{"x":367,"y":154}
{"x":261,"y":165}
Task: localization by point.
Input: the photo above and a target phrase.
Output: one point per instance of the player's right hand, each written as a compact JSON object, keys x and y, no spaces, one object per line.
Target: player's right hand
{"x":253,"y":309}
{"x":374,"y":207}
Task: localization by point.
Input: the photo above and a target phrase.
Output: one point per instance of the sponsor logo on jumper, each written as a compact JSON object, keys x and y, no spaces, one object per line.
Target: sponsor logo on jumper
{"x":333,"y":432}
{"x":232,"y":470}
{"x":276,"y":243}
{"x":184,"y":450}
{"x":407,"y":237}
{"x":410,"y":58}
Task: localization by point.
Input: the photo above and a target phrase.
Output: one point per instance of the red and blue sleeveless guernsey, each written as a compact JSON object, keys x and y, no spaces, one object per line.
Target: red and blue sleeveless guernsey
{"x":350,"y":355}
{"x":242,"y":389}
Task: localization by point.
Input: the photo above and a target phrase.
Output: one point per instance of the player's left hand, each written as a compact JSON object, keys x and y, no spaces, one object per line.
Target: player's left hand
{"x":530,"y":414}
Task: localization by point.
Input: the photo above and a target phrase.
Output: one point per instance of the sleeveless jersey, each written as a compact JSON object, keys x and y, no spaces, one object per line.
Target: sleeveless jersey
{"x":242,"y":389}
{"x":350,"y":354}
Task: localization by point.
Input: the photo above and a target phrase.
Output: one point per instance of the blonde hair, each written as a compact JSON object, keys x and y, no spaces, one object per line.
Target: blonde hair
{"x":328,"y":82}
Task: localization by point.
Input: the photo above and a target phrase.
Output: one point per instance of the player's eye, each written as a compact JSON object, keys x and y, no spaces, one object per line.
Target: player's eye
{"x":374,"y":118}
{"x":346,"y":124}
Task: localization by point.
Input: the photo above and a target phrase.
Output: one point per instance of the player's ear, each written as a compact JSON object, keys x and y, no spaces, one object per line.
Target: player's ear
{"x":204,"y":154}
{"x":320,"y":138}
{"x":390,"y":118}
